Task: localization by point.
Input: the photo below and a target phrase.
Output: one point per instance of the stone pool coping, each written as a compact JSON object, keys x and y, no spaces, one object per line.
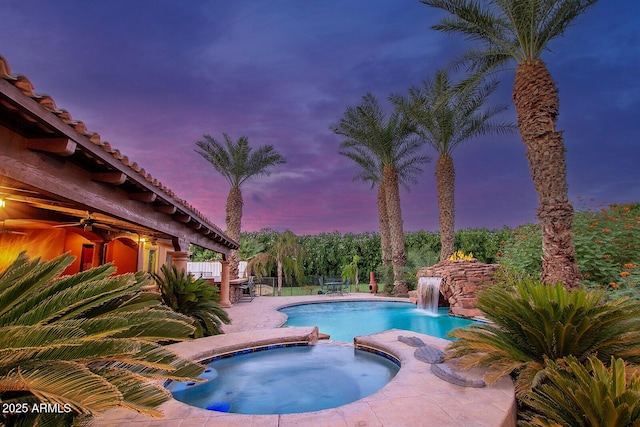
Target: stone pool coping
{"x":414,"y":397}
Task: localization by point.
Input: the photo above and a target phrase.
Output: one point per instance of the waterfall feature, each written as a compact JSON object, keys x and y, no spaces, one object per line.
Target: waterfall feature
{"x":429,"y":293}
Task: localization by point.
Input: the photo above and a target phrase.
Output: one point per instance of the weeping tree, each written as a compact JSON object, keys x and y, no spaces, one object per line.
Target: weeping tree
{"x":237,"y":163}
{"x":445,"y":116}
{"x":388,"y":154}
{"x":520,"y":31}
{"x":286,"y":255}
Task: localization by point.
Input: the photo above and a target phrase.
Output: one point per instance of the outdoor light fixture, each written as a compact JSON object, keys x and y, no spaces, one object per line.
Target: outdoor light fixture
{"x":2,"y":203}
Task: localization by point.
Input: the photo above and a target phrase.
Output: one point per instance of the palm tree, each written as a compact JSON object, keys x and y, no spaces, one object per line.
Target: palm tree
{"x":446,"y":116}
{"x":192,"y":297}
{"x":371,"y":171}
{"x":388,"y":155}
{"x":237,"y":163}
{"x":89,"y":342}
{"x":286,"y":254}
{"x":521,"y":30}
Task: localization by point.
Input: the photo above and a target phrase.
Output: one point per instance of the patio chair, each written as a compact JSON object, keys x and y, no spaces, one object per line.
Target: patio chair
{"x":322,"y":290}
{"x":344,"y":289}
{"x":248,"y":290}
{"x":333,"y":285}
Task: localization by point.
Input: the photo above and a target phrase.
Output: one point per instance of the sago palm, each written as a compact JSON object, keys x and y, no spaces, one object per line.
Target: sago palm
{"x":520,"y":31}
{"x":445,"y":116}
{"x":192,"y":297}
{"x":584,"y":395}
{"x":89,"y":341}
{"x":286,"y":254}
{"x":533,"y":321}
{"x":237,"y":163}
{"x":389,"y":145}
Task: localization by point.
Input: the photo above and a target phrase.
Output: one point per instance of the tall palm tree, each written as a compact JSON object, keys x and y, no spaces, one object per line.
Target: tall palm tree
{"x":237,"y":163}
{"x":286,"y":254}
{"x":445,"y":116}
{"x":371,"y":171}
{"x":389,"y":152}
{"x":521,"y":30}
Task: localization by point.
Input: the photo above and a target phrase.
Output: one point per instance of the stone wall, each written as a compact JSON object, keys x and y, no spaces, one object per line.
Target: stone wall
{"x":461,"y":281}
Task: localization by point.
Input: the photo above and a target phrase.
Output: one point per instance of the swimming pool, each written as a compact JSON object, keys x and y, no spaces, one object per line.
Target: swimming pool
{"x":288,"y":379}
{"x":343,"y":320}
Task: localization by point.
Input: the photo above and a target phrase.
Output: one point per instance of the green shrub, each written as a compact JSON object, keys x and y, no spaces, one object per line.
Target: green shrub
{"x":523,"y":251}
{"x":532,"y":322}
{"x":89,"y":341}
{"x":607,"y":249}
{"x":584,"y":396}
{"x":192,"y":297}
{"x":417,"y":259}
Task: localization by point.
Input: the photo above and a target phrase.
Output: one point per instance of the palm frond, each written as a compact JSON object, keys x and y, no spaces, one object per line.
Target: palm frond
{"x":373,"y":141}
{"x":237,"y":162}
{"x":64,"y":383}
{"x":520,"y":30}
{"x":58,"y":327}
{"x":22,"y":280}
{"x":137,"y":393}
{"x":533,"y":322}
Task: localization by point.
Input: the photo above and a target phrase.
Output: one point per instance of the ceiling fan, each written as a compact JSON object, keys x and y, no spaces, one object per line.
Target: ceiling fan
{"x":86,"y":223}
{"x":5,"y":230}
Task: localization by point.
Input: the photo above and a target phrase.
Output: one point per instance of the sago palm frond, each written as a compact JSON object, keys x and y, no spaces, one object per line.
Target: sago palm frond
{"x":22,"y":280}
{"x":532,"y":322}
{"x":64,"y":383}
{"x":192,"y":298}
{"x":584,"y":394}
{"x":73,"y":301}
{"x":54,"y":330}
{"x":138,"y":395}
{"x":76,"y":351}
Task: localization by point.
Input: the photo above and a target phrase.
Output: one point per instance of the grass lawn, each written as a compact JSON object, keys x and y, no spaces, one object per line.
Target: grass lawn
{"x":310,"y":290}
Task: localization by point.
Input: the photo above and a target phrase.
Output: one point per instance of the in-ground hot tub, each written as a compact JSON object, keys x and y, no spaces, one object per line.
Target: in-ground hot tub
{"x":288,"y":378}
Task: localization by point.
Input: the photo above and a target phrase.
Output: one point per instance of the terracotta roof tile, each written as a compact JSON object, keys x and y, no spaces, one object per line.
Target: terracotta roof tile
{"x":24,"y":84}
{"x":5,"y":70}
{"x":47,"y":102}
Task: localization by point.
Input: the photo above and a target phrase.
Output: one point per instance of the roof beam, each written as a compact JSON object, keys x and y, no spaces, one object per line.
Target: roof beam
{"x":143,"y":197}
{"x":182,"y":218}
{"x":115,"y":178}
{"x":167,"y":209}
{"x":60,"y":146}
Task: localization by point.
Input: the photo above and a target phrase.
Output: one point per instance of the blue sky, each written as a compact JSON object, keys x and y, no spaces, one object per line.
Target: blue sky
{"x":152,"y":76}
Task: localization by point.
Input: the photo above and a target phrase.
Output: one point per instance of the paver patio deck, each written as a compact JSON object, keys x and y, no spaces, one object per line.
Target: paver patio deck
{"x":415,"y":397}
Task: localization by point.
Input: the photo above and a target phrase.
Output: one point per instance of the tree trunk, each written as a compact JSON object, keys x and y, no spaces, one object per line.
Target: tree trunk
{"x":536,"y":99}
{"x":233,"y":220}
{"x":445,"y":184}
{"x":398,"y":255}
{"x":279,"y":278}
{"x":385,"y":237}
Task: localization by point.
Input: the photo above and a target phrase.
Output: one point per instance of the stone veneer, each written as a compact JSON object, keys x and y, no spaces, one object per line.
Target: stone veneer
{"x":461,"y":281}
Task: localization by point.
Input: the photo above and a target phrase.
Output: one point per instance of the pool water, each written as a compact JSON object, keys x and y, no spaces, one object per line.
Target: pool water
{"x":288,"y":380}
{"x":345,"y":320}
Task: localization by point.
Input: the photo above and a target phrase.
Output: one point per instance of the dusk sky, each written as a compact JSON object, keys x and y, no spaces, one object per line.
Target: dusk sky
{"x":152,"y":76}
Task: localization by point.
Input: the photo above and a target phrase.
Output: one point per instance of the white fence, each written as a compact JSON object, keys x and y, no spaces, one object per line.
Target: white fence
{"x":211,"y":269}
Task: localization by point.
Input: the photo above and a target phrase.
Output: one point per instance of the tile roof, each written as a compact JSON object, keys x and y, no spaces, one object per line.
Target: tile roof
{"x":47,"y":102}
